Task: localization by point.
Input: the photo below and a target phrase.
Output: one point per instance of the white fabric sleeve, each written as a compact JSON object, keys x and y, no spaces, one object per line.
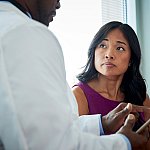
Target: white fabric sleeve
{"x":35,"y":109}
{"x":90,"y":124}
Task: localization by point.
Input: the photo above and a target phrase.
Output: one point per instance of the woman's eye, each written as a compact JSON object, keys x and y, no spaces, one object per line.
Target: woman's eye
{"x":120,"y":49}
{"x":102,"y":46}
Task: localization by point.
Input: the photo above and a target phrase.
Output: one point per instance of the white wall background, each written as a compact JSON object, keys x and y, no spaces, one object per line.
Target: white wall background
{"x":143,"y":31}
{"x":76,"y":23}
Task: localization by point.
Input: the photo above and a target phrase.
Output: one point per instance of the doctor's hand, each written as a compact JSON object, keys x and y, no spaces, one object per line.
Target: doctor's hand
{"x":138,"y":141}
{"x":116,"y":118}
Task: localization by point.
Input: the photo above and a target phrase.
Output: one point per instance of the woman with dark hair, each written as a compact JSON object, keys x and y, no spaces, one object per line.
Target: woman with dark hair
{"x":112,"y":73}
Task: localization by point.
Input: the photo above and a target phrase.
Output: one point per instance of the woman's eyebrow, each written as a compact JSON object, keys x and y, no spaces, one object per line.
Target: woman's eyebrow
{"x":105,"y":40}
{"x":117,"y":41}
{"x":121,"y":42}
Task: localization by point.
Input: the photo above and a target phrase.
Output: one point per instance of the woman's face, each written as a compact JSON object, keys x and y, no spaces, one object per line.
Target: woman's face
{"x":112,"y":55}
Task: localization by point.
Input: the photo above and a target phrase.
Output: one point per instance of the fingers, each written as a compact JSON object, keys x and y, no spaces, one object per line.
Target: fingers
{"x":124,"y":112}
{"x":120,"y":107}
{"x":130,"y":121}
{"x":136,"y":108}
{"x":129,"y":107}
{"x":119,"y":117}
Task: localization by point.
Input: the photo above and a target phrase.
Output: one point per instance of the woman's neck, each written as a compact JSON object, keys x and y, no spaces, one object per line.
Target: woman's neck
{"x":108,"y":87}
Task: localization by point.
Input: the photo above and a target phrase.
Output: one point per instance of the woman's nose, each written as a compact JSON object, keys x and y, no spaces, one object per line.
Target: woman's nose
{"x":108,"y":56}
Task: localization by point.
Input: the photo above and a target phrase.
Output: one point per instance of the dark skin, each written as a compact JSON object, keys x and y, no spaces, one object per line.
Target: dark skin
{"x":43,"y":11}
{"x":116,"y":118}
{"x":126,"y":130}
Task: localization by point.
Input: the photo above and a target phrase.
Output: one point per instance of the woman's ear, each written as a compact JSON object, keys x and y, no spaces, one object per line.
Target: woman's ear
{"x":129,"y":63}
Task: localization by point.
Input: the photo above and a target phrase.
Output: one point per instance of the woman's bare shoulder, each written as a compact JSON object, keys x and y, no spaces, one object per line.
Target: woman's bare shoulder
{"x":81,"y":100}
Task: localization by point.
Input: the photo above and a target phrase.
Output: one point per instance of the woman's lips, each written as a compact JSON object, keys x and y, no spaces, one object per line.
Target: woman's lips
{"x":108,"y":64}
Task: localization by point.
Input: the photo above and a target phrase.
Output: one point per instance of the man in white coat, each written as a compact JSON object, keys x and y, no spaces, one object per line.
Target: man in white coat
{"x":37,"y":108}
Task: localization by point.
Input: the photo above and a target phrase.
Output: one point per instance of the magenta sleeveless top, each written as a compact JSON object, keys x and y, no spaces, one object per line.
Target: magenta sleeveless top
{"x":98,"y":104}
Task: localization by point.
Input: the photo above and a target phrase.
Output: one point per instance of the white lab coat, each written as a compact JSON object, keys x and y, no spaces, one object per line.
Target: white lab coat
{"x":37,"y":108}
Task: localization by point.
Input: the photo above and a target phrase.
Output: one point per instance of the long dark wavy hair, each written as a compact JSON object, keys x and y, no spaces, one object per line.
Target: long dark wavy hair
{"x":133,"y":85}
